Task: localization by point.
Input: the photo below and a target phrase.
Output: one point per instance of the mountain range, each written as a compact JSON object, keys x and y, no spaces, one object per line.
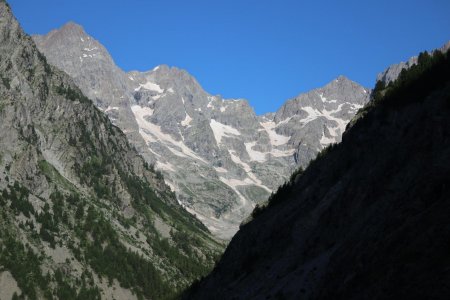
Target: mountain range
{"x":217,"y":155}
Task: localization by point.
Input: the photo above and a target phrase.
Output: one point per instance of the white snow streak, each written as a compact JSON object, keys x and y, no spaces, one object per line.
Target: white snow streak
{"x":275,"y":138}
{"x":165,"y":166}
{"x":252,"y":179}
{"x":220,"y":130}
{"x":111,"y":108}
{"x":187,"y":121}
{"x":220,"y":170}
{"x":153,"y":133}
{"x":150,"y":86}
{"x":254,"y":155}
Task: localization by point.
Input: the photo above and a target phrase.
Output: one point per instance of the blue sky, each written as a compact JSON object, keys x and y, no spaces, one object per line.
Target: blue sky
{"x":264,"y":51}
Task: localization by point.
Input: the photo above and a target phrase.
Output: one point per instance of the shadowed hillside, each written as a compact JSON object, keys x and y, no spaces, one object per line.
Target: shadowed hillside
{"x":368,"y":219}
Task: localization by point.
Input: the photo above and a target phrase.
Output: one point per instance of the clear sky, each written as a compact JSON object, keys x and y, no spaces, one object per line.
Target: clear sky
{"x":264,"y":51}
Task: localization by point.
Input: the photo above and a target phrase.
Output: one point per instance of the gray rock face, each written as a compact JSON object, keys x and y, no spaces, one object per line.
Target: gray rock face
{"x":73,"y":192}
{"x":219,"y":157}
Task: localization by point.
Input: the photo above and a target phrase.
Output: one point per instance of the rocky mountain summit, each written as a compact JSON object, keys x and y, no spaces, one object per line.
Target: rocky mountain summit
{"x":392,"y":72}
{"x":219,"y":157}
{"x":368,"y":219}
{"x":83,"y":215}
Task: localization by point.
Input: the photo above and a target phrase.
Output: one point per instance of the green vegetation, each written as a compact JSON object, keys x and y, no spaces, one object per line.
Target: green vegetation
{"x":53,"y":175}
{"x":414,"y":84}
{"x":285,"y":189}
{"x":110,"y":258}
{"x":145,"y":197}
{"x":19,"y":199}
{"x":24,"y":265}
{"x":66,"y":237}
{"x":24,"y":262}
{"x":71,"y":94}
{"x":6,"y":82}
{"x":95,"y":168}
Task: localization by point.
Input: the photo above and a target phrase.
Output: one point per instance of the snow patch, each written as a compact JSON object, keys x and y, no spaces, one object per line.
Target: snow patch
{"x":238,"y":161}
{"x":322,"y":97}
{"x":326,"y":140}
{"x":89,"y":55}
{"x":220,"y":170}
{"x":165,"y":166}
{"x":254,"y":155}
{"x":187,"y":120}
{"x":356,"y":106}
{"x":275,"y":138}
{"x":111,"y":108}
{"x":335,"y":131}
{"x":220,"y":130}
{"x":284,"y":121}
{"x":150,"y":86}
{"x":325,"y":100}
{"x":233,"y":183}
{"x":312,"y":114}
{"x":152,"y":133}
{"x":252,"y":179}
{"x":282,"y":153}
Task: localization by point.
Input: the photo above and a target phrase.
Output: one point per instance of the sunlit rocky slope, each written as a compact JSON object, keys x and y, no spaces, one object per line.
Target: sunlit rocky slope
{"x":82,"y":215}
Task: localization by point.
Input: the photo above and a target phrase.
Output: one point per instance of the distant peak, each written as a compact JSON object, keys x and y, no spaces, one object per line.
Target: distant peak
{"x":446,"y":47}
{"x":73,"y":27}
{"x":342,"y":78}
{"x":341,"y":81}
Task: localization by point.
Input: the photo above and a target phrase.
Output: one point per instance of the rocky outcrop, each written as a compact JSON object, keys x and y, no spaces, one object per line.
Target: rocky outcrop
{"x":392,"y":72}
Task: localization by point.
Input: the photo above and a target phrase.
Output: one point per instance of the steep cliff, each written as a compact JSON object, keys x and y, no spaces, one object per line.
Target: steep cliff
{"x":82,"y":213}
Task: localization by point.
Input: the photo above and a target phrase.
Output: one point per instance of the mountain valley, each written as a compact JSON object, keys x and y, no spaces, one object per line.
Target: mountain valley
{"x":141,"y":185}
